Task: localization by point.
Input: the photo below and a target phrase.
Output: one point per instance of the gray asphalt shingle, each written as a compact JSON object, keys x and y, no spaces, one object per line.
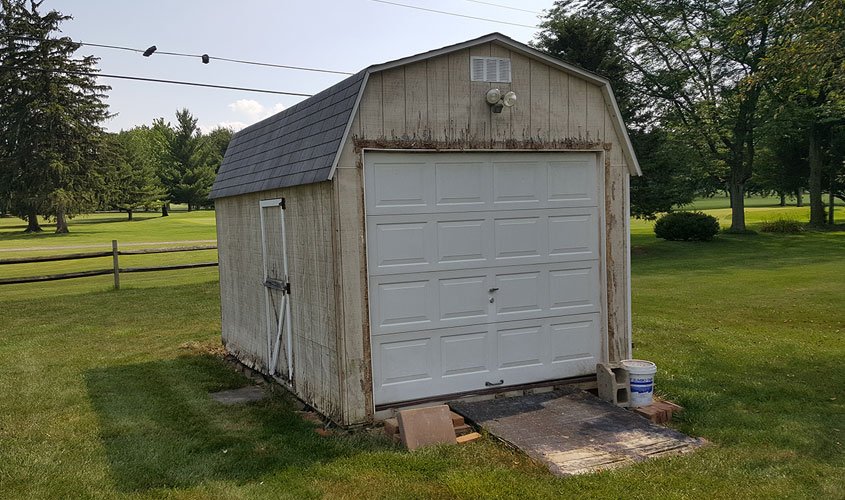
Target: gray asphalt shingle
{"x":296,"y":146}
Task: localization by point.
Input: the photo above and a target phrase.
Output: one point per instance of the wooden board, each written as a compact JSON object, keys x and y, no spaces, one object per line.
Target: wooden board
{"x":574,"y":432}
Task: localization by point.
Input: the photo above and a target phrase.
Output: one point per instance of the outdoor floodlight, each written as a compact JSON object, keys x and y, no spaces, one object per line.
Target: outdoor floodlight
{"x":498,"y":102}
{"x":509,"y":99}
{"x":493,"y":96}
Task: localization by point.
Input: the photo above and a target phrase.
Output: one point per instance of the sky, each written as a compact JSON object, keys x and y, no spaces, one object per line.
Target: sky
{"x":341,"y":35}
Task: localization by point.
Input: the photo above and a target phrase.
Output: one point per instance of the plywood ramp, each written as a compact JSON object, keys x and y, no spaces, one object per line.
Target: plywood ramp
{"x":573,"y":432}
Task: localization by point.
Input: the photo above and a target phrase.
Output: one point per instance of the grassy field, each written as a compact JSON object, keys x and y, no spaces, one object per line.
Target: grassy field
{"x":104,"y":394}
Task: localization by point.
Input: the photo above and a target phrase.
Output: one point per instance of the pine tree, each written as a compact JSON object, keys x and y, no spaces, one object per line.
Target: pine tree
{"x":132,"y":180}
{"x":187,"y":171}
{"x":50,"y":127}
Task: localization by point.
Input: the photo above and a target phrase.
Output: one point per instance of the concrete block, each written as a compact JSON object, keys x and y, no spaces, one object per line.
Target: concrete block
{"x":659,"y":412}
{"x":613,"y":383}
{"x":426,"y":426}
{"x":457,"y":420}
{"x":391,"y":426}
{"x":462,"y":429}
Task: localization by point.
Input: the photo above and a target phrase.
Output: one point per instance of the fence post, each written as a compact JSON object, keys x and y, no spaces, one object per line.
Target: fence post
{"x":114,"y":254}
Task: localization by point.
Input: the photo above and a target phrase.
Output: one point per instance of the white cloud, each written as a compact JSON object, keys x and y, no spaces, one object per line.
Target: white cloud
{"x":253,"y":110}
{"x":235,"y":126}
{"x":247,"y":112}
{"x":248,"y":108}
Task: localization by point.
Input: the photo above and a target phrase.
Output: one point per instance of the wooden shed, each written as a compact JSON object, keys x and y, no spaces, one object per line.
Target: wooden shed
{"x":411,"y":235}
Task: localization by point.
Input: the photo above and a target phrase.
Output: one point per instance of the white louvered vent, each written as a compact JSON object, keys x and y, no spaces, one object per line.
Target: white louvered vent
{"x":490,"y":69}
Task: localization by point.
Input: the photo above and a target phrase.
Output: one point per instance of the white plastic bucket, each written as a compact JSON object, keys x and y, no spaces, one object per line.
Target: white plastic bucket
{"x":641,"y":375}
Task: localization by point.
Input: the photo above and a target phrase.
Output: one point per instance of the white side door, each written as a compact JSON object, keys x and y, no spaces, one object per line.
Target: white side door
{"x":276,"y":284}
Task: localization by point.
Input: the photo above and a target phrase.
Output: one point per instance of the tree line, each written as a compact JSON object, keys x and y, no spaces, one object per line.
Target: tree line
{"x":745,"y":96}
{"x":56,"y":159}
{"x":740,"y":96}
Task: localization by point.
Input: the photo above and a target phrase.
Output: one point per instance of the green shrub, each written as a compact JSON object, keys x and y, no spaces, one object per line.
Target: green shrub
{"x":783,"y":226}
{"x":686,"y":226}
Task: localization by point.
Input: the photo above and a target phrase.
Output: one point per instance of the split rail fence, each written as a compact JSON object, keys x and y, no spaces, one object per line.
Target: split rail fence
{"x":116,"y":270}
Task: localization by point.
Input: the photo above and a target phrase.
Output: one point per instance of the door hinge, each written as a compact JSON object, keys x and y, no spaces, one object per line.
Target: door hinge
{"x":282,"y":204}
{"x":282,"y":286}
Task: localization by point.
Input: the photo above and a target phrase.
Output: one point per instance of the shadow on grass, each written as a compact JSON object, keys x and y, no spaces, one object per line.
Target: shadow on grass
{"x":16,"y":232}
{"x":161,"y":429}
{"x":124,"y":218}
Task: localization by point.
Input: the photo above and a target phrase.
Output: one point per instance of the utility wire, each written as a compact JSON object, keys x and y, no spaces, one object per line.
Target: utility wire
{"x":454,"y":14}
{"x":198,"y":56}
{"x":504,"y":6}
{"x":173,"y":82}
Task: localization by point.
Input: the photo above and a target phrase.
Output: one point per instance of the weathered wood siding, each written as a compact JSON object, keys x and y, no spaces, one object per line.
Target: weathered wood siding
{"x":433,"y":104}
{"x":310,"y":221}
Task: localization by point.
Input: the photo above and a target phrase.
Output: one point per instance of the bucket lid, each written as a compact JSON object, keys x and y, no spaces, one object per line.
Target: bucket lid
{"x":639,"y":366}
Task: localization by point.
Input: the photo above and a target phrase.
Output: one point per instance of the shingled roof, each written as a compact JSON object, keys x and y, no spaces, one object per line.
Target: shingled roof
{"x":301,"y":144}
{"x":296,"y":146}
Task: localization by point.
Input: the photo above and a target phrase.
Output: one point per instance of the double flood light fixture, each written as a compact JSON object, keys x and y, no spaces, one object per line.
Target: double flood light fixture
{"x":498,"y":102}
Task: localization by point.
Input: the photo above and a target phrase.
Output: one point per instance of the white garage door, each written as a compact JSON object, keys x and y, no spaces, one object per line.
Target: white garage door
{"x":484,"y":270}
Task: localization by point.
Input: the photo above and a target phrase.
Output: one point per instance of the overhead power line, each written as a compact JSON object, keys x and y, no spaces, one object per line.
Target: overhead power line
{"x":504,"y":6}
{"x":455,"y":14}
{"x":213,"y":58}
{"x":172,"y":82}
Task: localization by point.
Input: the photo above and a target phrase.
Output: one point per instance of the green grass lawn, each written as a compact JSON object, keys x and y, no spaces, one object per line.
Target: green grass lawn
{"x":104,"y":394}
{"x":721,"y":201}
{"x":101,"y":228}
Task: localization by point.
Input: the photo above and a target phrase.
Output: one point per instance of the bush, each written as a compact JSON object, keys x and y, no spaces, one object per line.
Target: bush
{"x":686,"y":226}
{"x":783,"y":226}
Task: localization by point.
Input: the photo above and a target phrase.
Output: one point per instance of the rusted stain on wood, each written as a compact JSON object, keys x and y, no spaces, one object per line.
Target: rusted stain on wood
{"x":466,"y":142}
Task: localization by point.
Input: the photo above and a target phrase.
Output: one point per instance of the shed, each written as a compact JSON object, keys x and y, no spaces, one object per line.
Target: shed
{"x":396,"y":238}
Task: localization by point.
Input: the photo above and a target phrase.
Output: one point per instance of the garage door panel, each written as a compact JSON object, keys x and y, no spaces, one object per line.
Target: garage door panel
{"x":467,"y":358}
{"x":574,"y":290}
{"x":574,"y":235}
{"x":520,"y":238}
{"x":518,"y":294}
{"x":462,"y":185}
{"x":463,"y":298}
{"x":462,"y":241}
{"x":404,"y":305}
{"x":401,"y":185}
{"x":449,"y":182}
{"x":465,"y":353}
{"x":426,"y":301}
{"x":521,"y":347}
{"x":403,"y":361}
{"x":403,"y":244}
{"x":573,"y":182}
{"x":573,"y":342}
{"x":456,"y":360}
{"x":519,"y":184}
{"x":416,"y":243}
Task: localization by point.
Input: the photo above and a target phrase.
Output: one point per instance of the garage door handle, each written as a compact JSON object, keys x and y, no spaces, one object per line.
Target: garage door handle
{"x":494,"y":290}
{"x":493,"y":384}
